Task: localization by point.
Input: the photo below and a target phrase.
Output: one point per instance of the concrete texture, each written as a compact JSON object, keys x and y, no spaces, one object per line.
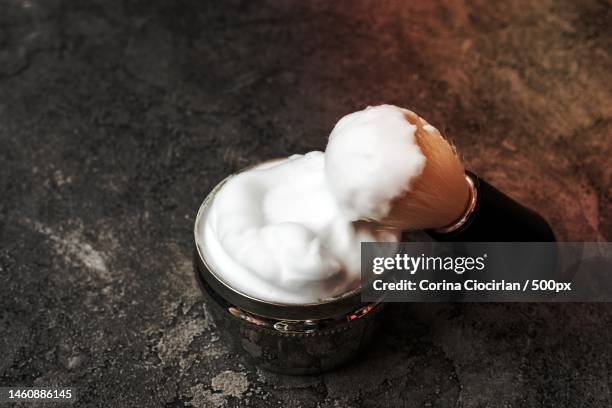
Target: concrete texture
{"x":117,"y":118}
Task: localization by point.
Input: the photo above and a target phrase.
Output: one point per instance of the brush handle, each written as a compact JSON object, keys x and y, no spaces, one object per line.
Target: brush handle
{"x":498,"y":218}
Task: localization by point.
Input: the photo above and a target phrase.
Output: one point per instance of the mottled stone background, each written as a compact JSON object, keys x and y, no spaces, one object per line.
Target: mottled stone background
{"x":117,"y":118}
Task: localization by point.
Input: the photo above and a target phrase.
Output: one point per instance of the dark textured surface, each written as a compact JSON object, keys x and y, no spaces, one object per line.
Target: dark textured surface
{"x":117,"y":118}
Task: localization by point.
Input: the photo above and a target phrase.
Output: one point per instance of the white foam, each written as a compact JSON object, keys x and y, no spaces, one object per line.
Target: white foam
{"x":371,"y":158}
{"x":284,"y":232}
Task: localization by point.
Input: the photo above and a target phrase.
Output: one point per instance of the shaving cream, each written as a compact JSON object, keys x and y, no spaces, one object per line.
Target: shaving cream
{"x":289,"y":231}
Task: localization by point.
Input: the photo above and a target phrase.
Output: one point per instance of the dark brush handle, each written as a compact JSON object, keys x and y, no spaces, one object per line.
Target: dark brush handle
{"x":498,"y":218}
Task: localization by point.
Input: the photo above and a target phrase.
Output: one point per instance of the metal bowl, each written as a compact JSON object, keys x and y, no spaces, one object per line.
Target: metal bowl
{"x":286,"y":338}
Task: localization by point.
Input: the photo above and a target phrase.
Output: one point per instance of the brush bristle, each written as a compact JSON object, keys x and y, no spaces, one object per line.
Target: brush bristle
{"x":439,"y":195}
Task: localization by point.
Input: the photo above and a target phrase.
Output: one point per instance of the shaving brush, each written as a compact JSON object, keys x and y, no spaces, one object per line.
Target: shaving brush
{"x":439,"y":196}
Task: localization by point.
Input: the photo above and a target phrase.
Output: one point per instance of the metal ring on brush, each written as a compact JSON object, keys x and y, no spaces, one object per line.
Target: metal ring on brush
{"x":469,"y":209}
